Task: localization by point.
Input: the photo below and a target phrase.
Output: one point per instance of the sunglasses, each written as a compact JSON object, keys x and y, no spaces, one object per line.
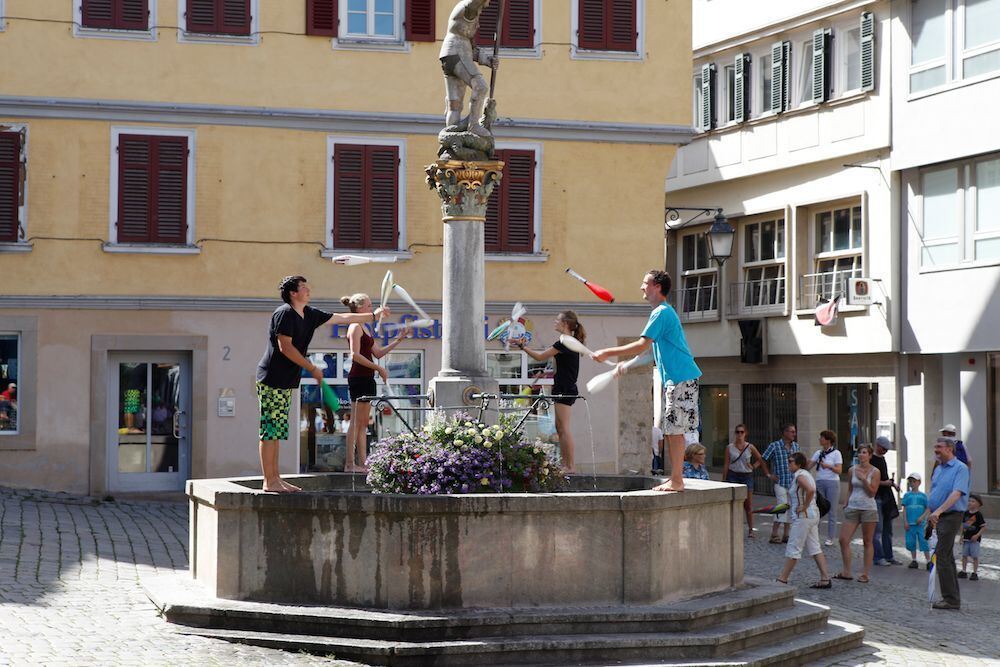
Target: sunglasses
{"x":739,"y":430}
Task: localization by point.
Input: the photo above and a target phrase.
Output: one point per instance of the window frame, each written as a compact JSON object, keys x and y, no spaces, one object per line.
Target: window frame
{"x":80,"y":30}
{"x":858,"y":255}
{"x":536,"y":243}
{"x":746,"y":265}
{"x":578,"y":53}
{"x":113,"y":244}
{"x":401,"y":229}
{"x":186,"y":36}
{"x":16,"y":381}
{"x":955,"y":52}
{"x":398,"y":35}
{"x":698,"y":273}
{"x":842,"y":66}
{"x":20,"y":244}
{"x":26,"y":328}
{"x":533,"y":51}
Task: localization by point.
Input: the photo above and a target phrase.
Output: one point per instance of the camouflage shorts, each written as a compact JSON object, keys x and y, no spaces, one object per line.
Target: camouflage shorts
{"x":274,"y":407}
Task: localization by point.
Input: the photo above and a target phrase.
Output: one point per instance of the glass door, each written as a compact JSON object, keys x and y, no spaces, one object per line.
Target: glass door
{"x":149,"y":422}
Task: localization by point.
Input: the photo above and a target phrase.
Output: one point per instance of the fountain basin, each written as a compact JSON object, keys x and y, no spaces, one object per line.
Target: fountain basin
{"x":330,"y":545}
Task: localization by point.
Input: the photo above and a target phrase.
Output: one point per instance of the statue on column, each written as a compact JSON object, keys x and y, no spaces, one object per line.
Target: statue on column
{"x":468,"y":138}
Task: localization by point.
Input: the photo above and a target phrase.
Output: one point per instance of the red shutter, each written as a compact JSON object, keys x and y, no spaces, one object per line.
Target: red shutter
{"x":621,"y":32}
{"x":487,"y":25}
{"x":420,"y":20}
{"x":519,"y":201}
{"x":348,"y":196}
{"x":134,"y":188}
{"x":321,"y":17}
{"x":170,"y":177}
{"x":10,"y":179}
{"x":382,"y":171}
{"x":132,"y":15}
{"x":235,"y":16}
{"x":591,"y":24}
{"x":98,"y":13}
{"x":519,"y":24}
{"x":493,"y":206}
{"x":201,"y":16}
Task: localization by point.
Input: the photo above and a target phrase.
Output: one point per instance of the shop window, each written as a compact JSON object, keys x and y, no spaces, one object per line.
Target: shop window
{"x":366,"y":196}
{"x":766,"y":408}
{"x":152,"y":188}
{"x":520,"y":375}
{"x":850,"y":413}
{"x":10,"y":357}
{"x":323,"y":433}
{"x":714,"y":410}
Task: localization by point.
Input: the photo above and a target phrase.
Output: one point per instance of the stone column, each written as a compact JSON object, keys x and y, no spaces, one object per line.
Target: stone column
{"x":464,"y":188}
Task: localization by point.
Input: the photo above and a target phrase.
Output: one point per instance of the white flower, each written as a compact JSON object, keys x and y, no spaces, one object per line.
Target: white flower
{"x":458,"y":441}
{"x":484,"y":481}
{"x":468,"y":423}
{"x":488,"y":444}
{"x":448,"y":430}
{"x":537,"y":450}
{"x":479,"y":439}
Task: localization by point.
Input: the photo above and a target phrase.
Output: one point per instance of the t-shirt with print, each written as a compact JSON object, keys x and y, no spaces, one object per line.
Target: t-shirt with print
{"x":275,"y":369}
{"x":914,"y":503}
{"x":670,"y":349}
{"x":971,"y":523}
{"x":832,"y":457}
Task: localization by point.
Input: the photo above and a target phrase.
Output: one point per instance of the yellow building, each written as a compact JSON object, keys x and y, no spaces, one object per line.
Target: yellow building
{"x":163,"y":163}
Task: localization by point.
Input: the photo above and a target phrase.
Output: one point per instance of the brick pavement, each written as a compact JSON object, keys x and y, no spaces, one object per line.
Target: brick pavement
{"x":70,"y":569}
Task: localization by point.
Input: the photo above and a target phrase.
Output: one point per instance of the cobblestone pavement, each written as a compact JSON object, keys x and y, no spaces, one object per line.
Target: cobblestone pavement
{"x":900,"y":626}
{"x":70,"y":572}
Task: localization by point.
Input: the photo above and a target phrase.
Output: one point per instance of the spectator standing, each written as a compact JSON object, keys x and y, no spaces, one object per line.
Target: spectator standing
{"x":886,"y":502}
{"x":860,"y":508}
{"x":961,"y":453}
{"x":805,"y":523}
{"x":737,"y":468}
{"x":829,"y":464}
{"x":948,"y":501}
{"x":973,"y":526}
{"x":776,"y":455}
{"x":915,"y":519}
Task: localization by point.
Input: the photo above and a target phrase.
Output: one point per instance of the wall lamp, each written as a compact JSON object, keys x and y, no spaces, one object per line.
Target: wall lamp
{"x":720,"y":235}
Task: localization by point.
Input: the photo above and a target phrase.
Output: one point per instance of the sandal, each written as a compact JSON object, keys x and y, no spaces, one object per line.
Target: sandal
{"x":784,"y":540}
{"x":775,"y":540}
{"x":823,"y":583}
{"x":780,"y":581}
{"x":840,"y":576}
{"x":863,"y":579}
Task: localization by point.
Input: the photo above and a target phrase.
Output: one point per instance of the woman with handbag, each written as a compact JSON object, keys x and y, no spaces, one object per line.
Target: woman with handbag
{"x":829,"y":463}
{"x":737,"y":468}
{"x":804,"y":535}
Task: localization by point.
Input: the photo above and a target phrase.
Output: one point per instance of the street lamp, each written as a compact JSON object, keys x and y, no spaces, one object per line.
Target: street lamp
{"x":720,"y":235}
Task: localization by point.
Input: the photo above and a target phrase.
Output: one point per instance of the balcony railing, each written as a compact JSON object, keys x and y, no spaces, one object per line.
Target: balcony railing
{"x":697,"y":304}
{"x":817,"y":287}
{"x":757,"y":297}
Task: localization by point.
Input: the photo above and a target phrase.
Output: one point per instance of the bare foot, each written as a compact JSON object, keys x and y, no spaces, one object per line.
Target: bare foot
{"x":289,"y":488}
{"x":668,"y":487}
{"x":275,"y":487}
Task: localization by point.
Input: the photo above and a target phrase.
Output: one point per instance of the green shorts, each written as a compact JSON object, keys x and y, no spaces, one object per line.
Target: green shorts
{"x":131,"y":401}
{"x":274,"y":407}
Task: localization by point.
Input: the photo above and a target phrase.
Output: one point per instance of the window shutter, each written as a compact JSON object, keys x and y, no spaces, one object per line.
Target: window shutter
{"x":867,"y":51}
{"x":492,"y":225}
{"x":98,"y":13}
{"x":382,"y":171}
{"x":741,"y":85}
{"x":235,"y":17}
{"x":170,"y":177}
{"x":10,"y":178}
{"x":321,"y":17}
{"x":348,"y":196}
{"x":591,"y":22}
{"x":820,"y":66}
{"x":519,"y":24}
{"x":200,"y":16}
{"x":707,"y":97}
{"x":621,"y":34}
{"x":518,"y":186}
{"x":786,"y":72}
{"x":134,"y":188}
{"x":420,"y":20}
{"x":133,"y":15}
{"x":488,"y":25}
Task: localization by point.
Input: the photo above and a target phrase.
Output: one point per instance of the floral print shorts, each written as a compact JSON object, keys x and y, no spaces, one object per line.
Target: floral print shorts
{"x":679,"y":413}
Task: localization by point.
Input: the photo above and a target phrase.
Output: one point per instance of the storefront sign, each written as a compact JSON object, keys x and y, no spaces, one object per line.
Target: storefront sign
{"x":859,"y":292}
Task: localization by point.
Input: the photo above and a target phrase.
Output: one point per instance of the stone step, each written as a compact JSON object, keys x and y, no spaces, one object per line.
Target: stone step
{"x":185,"y":603}
{"x":719,"y":644}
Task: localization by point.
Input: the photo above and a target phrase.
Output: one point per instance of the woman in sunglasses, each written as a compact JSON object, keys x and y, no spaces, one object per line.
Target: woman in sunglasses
{"x":737,"y":468}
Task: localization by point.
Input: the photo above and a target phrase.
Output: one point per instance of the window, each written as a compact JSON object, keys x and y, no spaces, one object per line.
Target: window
{"x":519,"y":374}
{"x":729,"y":99}
{"x":322,"y":432}
{"x":510,"y":215}
{"x":518,"y":30}
{"x":698,"y":101}
{"x":366,"y":183}
{"x":225,"y":18}
{"x":9,"y":361}
{"x":152,"y":197}
{"x":839,"y":254}
{"x":115,"y":14}
{"x":12,"y":178}
{"x":698,"y":293}
{"x":849,"y":54}
{"x":781,"y":76}
{"x":960,"y":213}
{"x":607,"y":25}
{"x":763,"y":264}
{"x":804,"y":73}
{"x":951,"y":40}
{"x":762,"y":87}
{"x":371,"y":19}
{"x":322,"y":17}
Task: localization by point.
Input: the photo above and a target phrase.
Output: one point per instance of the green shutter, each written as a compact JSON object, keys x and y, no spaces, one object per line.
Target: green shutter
{"x":867,"y":51}
{"x":707,"y":97}
{"x":821,"y":66}
{"x":741,"y":78}
{"x":779,"y":76}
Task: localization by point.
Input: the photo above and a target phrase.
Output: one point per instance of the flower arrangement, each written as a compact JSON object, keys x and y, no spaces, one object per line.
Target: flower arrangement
{"x":463,"y":455}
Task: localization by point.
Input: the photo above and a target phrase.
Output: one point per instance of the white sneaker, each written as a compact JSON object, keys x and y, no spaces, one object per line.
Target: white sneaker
{"x":828,"y":543}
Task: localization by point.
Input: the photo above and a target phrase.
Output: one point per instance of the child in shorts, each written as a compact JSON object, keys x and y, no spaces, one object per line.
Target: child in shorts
{"x":973,"y":525}
{"x":915,"y":513}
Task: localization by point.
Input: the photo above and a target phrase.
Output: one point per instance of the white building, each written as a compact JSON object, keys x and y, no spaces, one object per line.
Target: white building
{"x":792,"y":102}
{"x":946,"y":158}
